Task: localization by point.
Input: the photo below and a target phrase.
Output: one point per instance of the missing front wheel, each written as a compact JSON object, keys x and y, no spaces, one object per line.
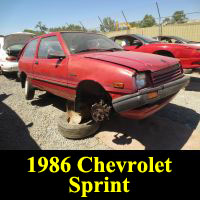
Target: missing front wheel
{"x":100,"y":111}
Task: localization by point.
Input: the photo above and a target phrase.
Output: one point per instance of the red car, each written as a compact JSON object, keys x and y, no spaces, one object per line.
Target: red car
{"x":189,"y":55}
{"x":98,"y":75}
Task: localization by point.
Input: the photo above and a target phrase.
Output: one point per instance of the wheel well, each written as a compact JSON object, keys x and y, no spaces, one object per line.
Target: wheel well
{"x":89,"y":95}
{"x":88,"y":91}
{"x":23,"y":79}
{"x":91,"y":88}
{"x":164,"y":53}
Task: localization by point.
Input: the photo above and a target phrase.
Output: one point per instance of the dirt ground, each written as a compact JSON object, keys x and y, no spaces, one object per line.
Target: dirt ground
{"x":33,"y":124}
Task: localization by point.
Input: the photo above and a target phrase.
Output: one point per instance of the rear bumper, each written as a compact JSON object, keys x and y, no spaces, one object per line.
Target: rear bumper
{"x":9,"y":66}
{"x":139,"y":105}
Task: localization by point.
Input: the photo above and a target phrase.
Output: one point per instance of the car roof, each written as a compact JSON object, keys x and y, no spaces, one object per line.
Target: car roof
{"x":130,"y":35}
{"x":167,"y":36}
{"x":71,"y":32}
{"x":55,"y":33}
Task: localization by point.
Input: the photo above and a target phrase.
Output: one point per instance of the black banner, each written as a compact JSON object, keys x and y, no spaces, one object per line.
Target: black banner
{"x":98,"y":174}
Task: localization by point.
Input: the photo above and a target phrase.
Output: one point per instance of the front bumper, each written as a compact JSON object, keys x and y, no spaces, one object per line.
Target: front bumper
{"x":140,"y":99}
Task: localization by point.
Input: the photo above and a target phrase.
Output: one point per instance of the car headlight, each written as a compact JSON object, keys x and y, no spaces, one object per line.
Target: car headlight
{"x":141,"y":80}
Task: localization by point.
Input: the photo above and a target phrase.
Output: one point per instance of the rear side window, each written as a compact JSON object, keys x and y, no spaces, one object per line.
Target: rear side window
{"x":49,"y":45}
{"x":30,"y":49}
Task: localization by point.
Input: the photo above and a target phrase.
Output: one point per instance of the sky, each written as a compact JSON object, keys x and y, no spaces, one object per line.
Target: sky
{"x":17,"y":15}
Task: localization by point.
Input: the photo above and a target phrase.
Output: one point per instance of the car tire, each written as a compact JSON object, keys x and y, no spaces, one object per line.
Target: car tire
{"x":187,"y":71}
{"x":18,"y":79}
{"x":29,"y":91}
{"x":1,"y":71}
{"x":76,"y":131}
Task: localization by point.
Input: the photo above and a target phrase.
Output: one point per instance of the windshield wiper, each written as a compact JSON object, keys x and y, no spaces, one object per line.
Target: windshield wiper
{"x":86,"y":50}
{"x":111,"y":49}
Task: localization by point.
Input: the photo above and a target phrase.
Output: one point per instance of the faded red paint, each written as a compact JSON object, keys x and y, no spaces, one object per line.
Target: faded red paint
{"x":105,"y":68}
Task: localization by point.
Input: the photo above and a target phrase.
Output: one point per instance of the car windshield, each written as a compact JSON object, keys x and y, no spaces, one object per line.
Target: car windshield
{"x":86,"y":42}
{"x":146,"y":39}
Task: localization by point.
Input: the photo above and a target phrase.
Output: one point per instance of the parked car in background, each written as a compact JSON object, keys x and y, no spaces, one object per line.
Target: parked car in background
{"x":176,"y":40}
{"x":188,"y":55}
{"x":10,"y":46}
{"x":98,"y":75}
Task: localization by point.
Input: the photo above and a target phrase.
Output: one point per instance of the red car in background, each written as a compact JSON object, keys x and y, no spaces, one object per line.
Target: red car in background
{"x":189,"y":55}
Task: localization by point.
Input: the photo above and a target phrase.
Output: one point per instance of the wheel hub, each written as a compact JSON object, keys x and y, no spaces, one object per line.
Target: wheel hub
{"x":100,"y":111}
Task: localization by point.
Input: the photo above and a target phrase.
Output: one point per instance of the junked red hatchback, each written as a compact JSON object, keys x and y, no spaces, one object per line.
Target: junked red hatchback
{"x":98,"y":75}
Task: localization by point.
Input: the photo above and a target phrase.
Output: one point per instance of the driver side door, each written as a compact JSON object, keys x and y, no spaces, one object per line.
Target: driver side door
{"x":50,"y":74}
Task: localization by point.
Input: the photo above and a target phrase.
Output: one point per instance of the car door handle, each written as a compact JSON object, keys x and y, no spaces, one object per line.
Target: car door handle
{"x":72,"y":74}
{"x":36,"y":62}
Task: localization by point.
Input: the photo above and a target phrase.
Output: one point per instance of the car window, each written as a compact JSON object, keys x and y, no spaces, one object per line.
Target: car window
{"x":49,"y":45}
{"x":126,"y":41}
{"x":30,"y":49}
{"x":122,"y":42}
{"x":176,"y":41}
{"x":170,"y":40}
{"x":165,"y":40}
{"x":145,"y":39}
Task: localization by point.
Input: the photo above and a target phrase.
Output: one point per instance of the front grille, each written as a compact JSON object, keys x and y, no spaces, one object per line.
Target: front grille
{"x":166,"y":75}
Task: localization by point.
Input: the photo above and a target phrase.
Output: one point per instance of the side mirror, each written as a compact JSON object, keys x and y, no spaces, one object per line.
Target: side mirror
{"x":56,"y":55}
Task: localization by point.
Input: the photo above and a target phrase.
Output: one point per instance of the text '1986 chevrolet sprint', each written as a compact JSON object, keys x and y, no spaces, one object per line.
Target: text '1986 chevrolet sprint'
{"x":98,"y":75}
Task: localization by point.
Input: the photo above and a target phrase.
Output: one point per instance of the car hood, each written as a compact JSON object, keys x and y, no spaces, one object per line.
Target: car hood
{"x":16,"y":38}
{"x":135,"y":60}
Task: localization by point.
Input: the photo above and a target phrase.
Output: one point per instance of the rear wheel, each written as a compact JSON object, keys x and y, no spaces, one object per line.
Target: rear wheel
{"x":29,"y":91}
{"x":1,"y":71}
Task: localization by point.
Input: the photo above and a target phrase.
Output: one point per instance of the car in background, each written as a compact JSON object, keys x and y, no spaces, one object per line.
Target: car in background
{"x":98,"y":75}
{"x":176,"y":40}
{"x":10,"y":46}
{"x":188,"y":55}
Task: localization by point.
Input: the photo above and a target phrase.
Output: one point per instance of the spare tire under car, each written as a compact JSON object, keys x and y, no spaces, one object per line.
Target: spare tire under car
{"x":76,"y":130}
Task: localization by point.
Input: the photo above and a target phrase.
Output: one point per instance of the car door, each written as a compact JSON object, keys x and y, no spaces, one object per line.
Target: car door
{"x":28,"y":57}
{"x":50,"y":73}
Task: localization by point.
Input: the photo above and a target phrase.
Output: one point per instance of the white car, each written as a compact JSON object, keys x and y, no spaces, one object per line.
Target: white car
{"x":10,"y":46}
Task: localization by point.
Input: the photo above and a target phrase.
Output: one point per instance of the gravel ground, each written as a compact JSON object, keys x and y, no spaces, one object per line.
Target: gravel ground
{"x":32,"y":124}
